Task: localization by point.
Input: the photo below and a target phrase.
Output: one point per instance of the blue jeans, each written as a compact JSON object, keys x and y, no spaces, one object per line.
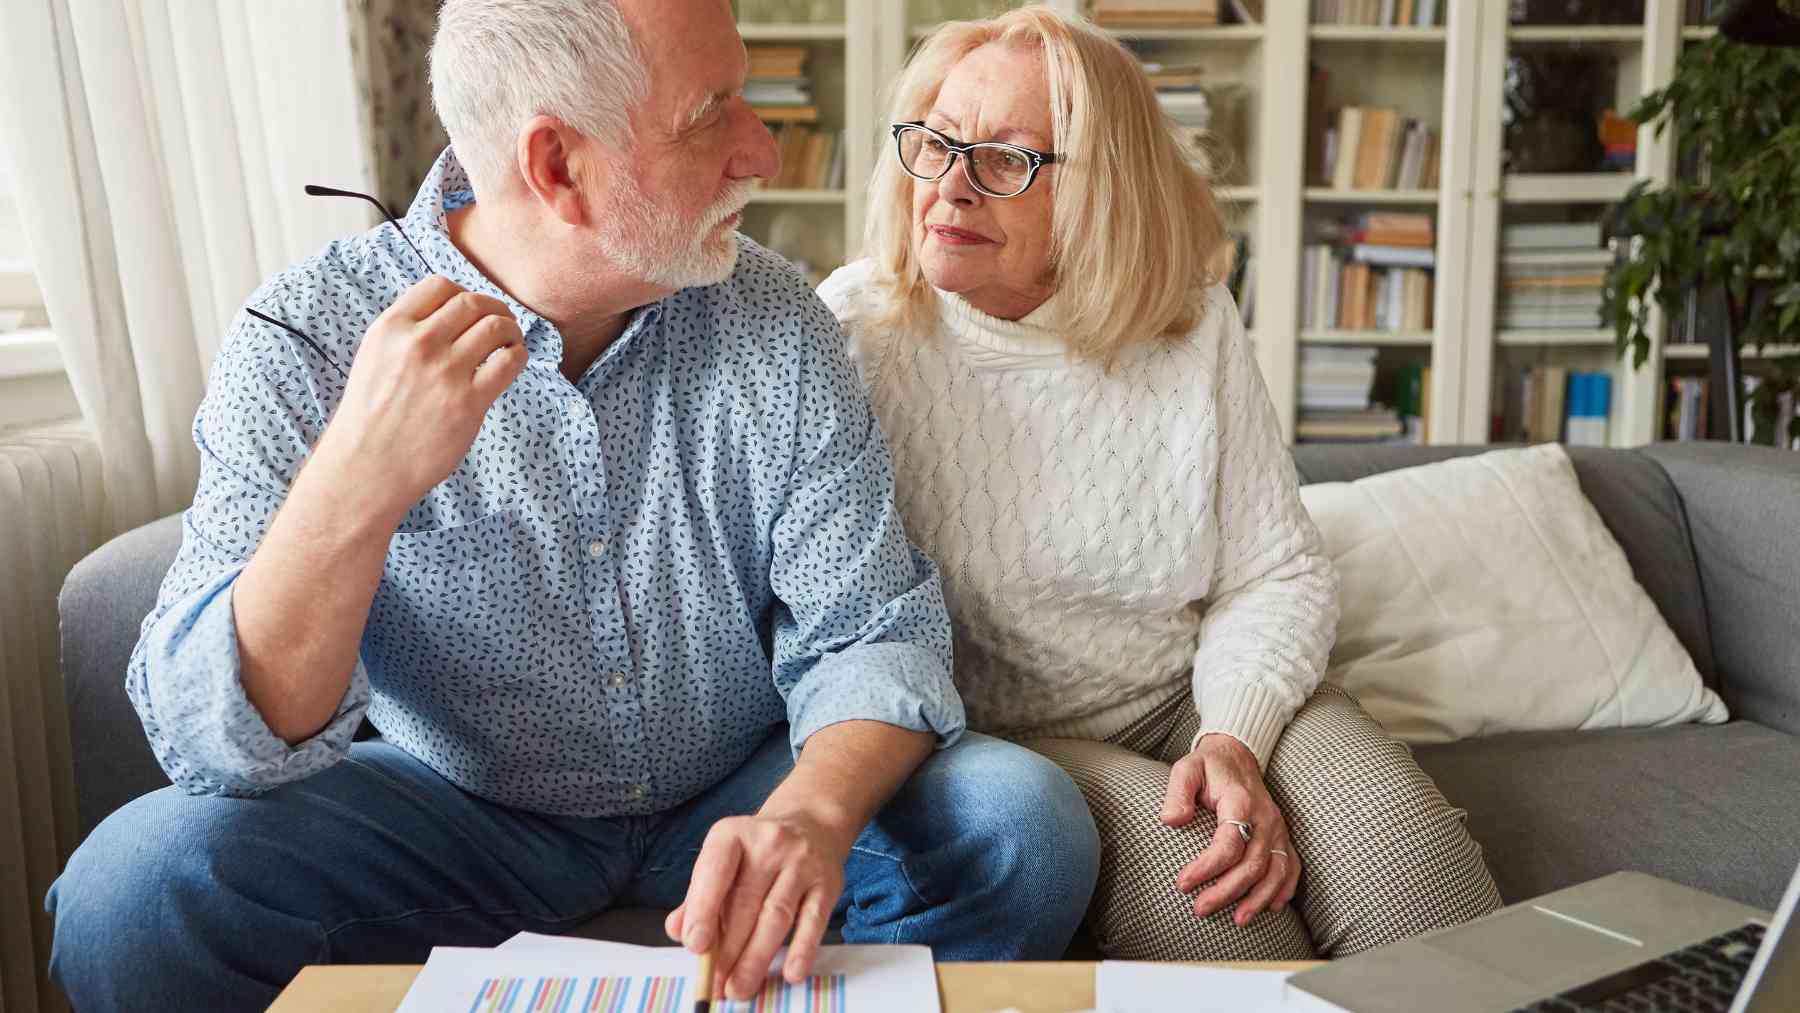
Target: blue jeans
{"x":199,"y":902}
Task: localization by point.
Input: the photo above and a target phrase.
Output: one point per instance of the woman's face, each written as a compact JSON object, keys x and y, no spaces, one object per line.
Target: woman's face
{"x":993,"y":251}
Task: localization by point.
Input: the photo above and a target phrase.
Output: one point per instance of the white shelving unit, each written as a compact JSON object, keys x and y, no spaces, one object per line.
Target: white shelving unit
{"x":1646,"y":61}
{"x":1451,"y":75}
{"x":844,"y":69}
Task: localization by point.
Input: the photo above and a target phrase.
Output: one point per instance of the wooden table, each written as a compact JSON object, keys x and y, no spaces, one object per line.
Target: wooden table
{"x":1048,"y":987}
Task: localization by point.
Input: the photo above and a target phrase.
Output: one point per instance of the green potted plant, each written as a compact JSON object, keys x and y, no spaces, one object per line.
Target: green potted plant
{"x":1736,"y":109}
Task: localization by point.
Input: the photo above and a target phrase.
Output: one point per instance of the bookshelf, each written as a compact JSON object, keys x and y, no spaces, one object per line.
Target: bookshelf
{"x":1450,"y":76}
{"x":820,"y":227}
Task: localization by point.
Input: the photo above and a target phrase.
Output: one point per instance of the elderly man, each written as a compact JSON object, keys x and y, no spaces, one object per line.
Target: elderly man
{"x":573,"y":495}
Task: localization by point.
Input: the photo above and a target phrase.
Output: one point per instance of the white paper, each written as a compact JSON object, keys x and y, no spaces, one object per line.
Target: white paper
{"x":1129,"y":987}
{"x":583,"y":975}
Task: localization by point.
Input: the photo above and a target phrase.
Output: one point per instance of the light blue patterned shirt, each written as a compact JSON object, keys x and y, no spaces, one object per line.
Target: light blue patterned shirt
{"x":629,"y":582}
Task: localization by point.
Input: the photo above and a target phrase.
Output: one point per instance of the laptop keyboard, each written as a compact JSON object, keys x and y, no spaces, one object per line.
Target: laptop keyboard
{"x":1703,"y":978}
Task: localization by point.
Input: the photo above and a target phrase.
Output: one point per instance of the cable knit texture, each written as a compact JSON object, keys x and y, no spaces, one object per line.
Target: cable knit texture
{"x":1103,"y":537}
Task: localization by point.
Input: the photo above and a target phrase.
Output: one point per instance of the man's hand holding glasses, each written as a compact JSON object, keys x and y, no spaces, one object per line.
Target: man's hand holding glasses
{"x":428,"y":370}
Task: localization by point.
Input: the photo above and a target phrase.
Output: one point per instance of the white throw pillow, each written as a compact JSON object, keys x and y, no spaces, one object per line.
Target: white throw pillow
{"x":1484,"y":595}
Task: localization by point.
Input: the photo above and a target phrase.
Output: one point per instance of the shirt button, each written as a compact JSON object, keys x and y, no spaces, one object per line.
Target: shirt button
{"x":595,"y":548}
{"x":619,"y":679}
{"x":639,"y":791}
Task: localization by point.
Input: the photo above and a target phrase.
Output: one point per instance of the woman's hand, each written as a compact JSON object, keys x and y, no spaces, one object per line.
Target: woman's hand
{"x":1222,"y":774}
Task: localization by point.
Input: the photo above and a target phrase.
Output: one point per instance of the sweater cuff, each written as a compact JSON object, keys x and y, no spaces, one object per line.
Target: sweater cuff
{"x":1249,"y":713}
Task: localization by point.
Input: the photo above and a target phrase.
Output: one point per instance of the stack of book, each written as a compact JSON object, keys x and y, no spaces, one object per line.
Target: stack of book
{"x":1156,"y":13}
{"x":1382,"y":13}
{"x":1373,"y":148}
{"x":1184,"y":102}
{"x":781,"y":93}
{"x":1552,"y":276}
{"x":1375,"y":276}
{"x":778,"y":88}
{"x":1335,"y":405}
{"x":1556,"y":405}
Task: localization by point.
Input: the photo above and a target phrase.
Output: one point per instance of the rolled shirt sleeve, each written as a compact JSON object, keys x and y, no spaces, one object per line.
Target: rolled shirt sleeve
{"x":861,"y":631}
{"x":253,"y":430}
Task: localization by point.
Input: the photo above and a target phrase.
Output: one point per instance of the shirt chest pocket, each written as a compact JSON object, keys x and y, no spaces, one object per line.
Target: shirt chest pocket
{"x":454,"y":609}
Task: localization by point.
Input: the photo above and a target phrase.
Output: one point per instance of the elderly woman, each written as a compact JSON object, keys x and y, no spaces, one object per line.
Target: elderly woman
{"x":1083,"y":443}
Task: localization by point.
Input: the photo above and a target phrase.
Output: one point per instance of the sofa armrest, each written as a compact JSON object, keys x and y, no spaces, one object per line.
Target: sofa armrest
{"x":103,"y":602}
{"x":1743,"y":509}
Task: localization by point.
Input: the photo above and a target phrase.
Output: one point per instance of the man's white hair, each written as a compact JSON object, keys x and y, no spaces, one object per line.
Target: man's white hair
{"x":497,"y":63}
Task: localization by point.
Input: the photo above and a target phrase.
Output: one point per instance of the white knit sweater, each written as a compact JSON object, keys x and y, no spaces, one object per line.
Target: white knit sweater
{"x":1106,"y":541}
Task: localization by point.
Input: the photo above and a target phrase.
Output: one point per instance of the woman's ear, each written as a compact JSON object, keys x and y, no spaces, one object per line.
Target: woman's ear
{"x":549,"y":163}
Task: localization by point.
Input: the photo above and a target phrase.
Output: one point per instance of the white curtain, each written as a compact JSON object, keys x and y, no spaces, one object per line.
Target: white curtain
{"x":159,"y":148}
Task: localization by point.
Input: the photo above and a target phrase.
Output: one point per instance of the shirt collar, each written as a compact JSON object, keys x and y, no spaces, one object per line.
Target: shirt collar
{"x":446,"y":188}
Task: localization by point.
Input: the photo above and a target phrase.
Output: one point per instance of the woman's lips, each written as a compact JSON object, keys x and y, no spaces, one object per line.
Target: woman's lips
{"x":958,"y":237}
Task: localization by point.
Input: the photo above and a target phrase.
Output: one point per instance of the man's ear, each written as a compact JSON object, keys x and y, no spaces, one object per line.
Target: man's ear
{"x":551,"y":167}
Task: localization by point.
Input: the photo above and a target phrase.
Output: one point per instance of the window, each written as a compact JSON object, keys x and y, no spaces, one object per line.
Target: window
{"x":26,"y":346}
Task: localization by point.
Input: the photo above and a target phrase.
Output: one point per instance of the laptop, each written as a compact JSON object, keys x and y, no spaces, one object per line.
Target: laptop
{"x":1624,"y":942}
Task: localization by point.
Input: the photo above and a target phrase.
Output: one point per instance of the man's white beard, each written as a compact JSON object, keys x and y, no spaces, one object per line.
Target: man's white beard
{"x":654,"y":245}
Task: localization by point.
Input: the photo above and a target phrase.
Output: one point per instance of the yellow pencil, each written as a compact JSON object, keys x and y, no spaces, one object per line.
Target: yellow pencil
{"x":703,"y":997}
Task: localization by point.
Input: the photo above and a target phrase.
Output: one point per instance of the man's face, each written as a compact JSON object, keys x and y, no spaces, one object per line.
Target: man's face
{"x":672,"y":206}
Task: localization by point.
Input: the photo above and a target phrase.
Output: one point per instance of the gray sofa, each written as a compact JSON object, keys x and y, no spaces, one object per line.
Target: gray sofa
{"x":1712,"y":532}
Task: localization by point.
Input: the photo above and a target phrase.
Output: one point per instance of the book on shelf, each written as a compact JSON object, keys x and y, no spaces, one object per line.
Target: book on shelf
{"x":1382,"y":255}
{"x":1687,"y":408}
{"x":1375,"y":148}
{"x":1552,"y":236}
{"x":1589,"y":404}
{"x":1542,"y":412}
{"x":806,"y":158}
{"x":1618,"y":141}
{"x":788,"y":91}
{"x":1156,"y":13}
{"x":1363,"y":286}
{"x":1376,"y":13}
{"x":834,"y":177}
{"x":1551,"y":276}
{"x":787,"y":114}
{"x":1247,"y":12}
{"x":778,"y":89}
{"x":1373,"y":423}
{"x":776,"y":62}
{"x":1550,"y":404}
{"x":1335,"y":379}
{"x":1389,"y":228}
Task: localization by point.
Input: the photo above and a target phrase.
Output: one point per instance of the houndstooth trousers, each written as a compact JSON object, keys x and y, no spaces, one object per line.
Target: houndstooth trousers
{"x":1384,"y":855}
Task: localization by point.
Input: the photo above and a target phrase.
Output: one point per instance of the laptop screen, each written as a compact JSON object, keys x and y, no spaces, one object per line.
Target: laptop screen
{"x":1773,"y":983}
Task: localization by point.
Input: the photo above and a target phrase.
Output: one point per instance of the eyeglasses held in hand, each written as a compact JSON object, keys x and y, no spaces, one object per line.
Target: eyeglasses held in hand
{"x":314,"y":190}
{"x":993,"y":168}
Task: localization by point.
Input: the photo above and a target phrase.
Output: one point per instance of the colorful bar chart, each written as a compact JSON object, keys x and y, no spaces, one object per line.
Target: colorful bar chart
{"x":823,"y":993}
{"x":578,"y":995}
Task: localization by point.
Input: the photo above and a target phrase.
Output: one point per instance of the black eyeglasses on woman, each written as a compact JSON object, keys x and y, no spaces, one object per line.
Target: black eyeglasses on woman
{"x":992,"y":167}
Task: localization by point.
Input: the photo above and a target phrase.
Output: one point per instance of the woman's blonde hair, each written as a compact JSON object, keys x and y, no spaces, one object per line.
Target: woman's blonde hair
{"x":1131,"y":216}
